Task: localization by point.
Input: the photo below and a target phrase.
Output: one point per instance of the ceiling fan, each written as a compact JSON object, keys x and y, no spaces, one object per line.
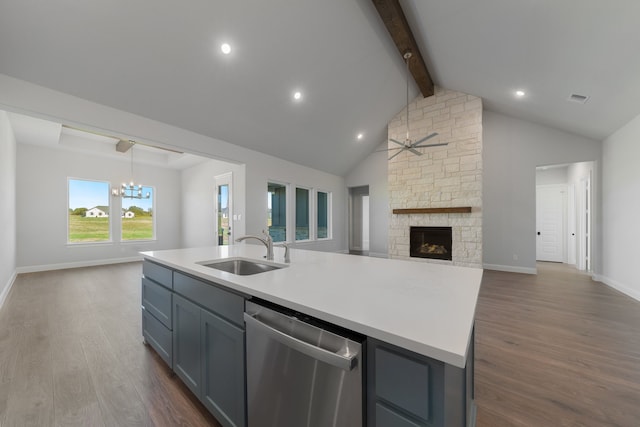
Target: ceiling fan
{"x":407,"y":145}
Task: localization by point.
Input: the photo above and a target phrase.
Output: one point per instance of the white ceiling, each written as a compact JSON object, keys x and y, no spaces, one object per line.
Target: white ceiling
{"x":44,"y":133}
{"x":161,"y":59}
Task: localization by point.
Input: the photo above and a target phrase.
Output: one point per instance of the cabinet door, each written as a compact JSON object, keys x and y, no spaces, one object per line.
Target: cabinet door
{"x":404,"y":389}
{"x":186,"y":343}
{"x":223,"y":373}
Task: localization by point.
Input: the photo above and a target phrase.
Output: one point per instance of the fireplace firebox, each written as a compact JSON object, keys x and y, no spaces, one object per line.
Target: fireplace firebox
{"x":430,"y":242}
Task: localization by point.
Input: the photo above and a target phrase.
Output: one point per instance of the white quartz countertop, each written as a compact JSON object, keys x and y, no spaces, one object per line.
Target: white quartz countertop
{"x":424,"y":307}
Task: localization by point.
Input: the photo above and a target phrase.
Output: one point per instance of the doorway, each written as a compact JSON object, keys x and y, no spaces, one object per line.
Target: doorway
{"x":359,"y":220}
{"x":564,"y":214}
{"x":224,"y":208}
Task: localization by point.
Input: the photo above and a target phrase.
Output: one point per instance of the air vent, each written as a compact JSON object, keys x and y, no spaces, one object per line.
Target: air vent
{"x":580,"y":99}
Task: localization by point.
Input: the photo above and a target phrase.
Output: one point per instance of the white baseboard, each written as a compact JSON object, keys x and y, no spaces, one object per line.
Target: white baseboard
{"x":63,"y":266}
{"x":625,"y":289}
{"x":7,"y":289}
{"x":510,"y":268}
{"x":378,"y":255}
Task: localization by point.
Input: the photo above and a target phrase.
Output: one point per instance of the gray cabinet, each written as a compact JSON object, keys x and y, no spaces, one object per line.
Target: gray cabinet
{"x":186,"y":343}
{"x":208,"y":347}
{"x":157,"y":336}
{"x":156,"y":300}
{"x":223,"y":372}
{"x":405,"y":389}
{"x":157,"y":309}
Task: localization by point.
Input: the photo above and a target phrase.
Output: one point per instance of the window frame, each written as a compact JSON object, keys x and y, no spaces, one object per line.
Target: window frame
{"x":153,"y":217}
{"x":109,"y":240}
{"x":310,"y":216}
{"x":287,"y":210}
{"x":329,"y":215}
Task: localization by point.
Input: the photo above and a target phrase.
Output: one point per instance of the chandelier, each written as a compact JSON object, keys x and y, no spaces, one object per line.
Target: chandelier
{"x":131,"y":190}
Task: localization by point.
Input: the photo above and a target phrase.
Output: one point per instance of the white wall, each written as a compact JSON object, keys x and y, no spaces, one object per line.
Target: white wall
{"x":42,"y":205}
{"x":199,"y":199}
{"x":512,"y":150}
{"x":372,"y":171}
{"x":7,"y":206}
{"x":26,"y":98}
{"x":621,"y":204}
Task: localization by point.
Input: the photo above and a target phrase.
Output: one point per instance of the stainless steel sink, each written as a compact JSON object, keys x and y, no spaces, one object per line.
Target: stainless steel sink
{"x":241,"y":266}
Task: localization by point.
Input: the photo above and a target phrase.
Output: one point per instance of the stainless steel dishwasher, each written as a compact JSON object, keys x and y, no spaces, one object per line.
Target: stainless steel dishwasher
{"x":299,"y":373}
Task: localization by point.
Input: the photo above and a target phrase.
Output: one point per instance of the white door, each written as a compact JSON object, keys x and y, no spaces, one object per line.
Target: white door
{"x":550,"y":202}
{"x":584,"y":224}
{"x":224,"y":209}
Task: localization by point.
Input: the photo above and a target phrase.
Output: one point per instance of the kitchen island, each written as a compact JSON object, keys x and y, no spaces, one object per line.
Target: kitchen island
{"x":417,"y":318}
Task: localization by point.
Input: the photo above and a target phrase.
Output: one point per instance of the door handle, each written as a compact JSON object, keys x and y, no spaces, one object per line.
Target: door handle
{"x":345,"y":362}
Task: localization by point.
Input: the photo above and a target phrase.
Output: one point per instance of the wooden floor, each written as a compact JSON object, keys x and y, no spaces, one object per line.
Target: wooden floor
{"x":71,"y":354}
{"x":556,"y":349}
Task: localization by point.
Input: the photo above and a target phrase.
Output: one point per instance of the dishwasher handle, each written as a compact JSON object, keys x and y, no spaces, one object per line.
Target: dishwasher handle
{"x":346,"y":363}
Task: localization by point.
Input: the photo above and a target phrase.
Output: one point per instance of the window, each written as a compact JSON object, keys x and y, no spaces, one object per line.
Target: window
{"x":137,"y":217}
{"x":88,"y":211}
{"x":323,"y":207}
{"x":277,"y":211}
{"x":302,"y":214}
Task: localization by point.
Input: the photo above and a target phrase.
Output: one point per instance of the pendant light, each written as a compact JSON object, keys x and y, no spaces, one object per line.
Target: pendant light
{"x":131,"y":190}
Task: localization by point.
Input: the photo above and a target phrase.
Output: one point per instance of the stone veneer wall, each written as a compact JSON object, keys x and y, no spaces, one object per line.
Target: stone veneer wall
{"x":448,"y":176}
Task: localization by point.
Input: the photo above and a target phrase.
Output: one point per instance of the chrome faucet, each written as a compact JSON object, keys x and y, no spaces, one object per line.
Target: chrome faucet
{"x":287,"y":259}
{"x":267,"y":241}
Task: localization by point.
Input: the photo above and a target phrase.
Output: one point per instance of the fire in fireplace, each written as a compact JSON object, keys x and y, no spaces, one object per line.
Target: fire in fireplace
{"x":430,"y":242}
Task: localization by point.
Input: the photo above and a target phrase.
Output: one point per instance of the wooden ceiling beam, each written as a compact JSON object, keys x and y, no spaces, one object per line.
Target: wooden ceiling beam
{"x":394,"y":19}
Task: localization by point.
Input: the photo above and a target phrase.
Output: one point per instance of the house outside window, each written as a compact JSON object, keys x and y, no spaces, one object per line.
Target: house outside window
{"x":137,"y":218}
{"x":88,"y":211}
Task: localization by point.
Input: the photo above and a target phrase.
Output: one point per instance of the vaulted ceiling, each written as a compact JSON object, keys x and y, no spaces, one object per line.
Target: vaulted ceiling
{"x":161,"y":59}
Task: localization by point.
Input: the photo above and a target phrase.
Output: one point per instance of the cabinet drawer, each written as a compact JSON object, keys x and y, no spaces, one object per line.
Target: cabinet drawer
{"x":157,"y":301}
{"x":158,"y":273}
{"x":157,"y":336}
{"x":224,"y":303}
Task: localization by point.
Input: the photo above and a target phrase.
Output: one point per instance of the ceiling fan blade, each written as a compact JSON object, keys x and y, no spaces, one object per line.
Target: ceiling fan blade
{"x":414,"y":151}
{"x":397,"y":153}
{"x":397,"y":142}
{"x":389,"y":149}
{"x":424,"y":139}
{"x":431,"y":145}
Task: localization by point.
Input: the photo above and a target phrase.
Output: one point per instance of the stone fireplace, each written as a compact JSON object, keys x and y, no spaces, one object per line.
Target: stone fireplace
{"x":427,"y":189}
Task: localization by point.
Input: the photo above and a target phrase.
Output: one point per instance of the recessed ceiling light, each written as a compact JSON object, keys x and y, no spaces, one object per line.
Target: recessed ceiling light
{"x":297,"y":95}
{"x":225,"y":48}
{"x":360,"y":136}
{"x":520,"y":93}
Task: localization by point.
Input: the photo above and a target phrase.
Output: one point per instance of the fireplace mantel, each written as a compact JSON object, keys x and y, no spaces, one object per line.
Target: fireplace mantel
{"x":460,"y":209}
